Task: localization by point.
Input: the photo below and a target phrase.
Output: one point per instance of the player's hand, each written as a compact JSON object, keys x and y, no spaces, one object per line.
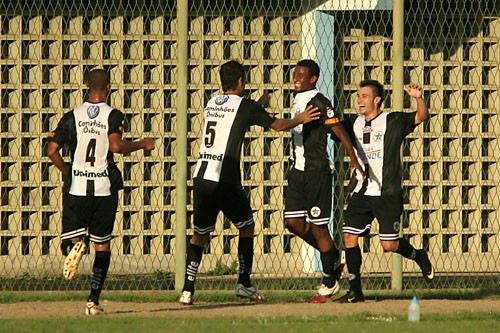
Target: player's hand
{"x":264,"y":99}
{"x":413,"y":90}
{"x":355,"y":164}
{"x":149,"y":143}
{"x":310,"y":113}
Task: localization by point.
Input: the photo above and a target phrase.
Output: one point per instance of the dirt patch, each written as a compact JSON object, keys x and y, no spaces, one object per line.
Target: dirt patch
{"x":125,"y":309}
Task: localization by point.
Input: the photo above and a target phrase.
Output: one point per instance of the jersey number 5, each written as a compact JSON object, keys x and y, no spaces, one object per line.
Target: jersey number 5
{"x":90,"y":155}
{"x":210,"y":134}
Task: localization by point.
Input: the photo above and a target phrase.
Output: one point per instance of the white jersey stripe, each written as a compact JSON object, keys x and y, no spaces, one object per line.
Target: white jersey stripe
{"x":90,"y":162}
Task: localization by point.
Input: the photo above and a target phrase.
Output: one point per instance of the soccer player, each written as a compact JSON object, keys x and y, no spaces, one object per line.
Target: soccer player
{"x":217,"y":179}
{"x":378,"y":136}
{"x":308,"y":198}
{"x":93,"y":132}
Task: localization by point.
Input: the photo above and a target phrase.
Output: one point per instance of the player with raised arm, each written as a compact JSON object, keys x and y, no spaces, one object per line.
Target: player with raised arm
{"x":378,"y":136}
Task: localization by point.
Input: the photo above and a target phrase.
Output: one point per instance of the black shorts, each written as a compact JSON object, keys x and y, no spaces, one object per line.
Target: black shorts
{"x":211,"y":197}
{"x":95,"y":215}
{"x":309,"y":195}
{"x":362,"y":209}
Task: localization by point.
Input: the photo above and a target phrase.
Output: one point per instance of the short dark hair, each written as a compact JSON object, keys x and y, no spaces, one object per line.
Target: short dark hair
{"x":377,"y":87}
{"x":98,"y":79}
{"x":230,"y":72}
{"x":312,"y":65}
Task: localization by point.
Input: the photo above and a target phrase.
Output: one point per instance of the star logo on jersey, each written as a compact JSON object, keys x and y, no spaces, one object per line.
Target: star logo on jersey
{"x":379,"y":136}
{"x":315,"y":211}
{"x":93,"y":111}
{"x":221,"y":99}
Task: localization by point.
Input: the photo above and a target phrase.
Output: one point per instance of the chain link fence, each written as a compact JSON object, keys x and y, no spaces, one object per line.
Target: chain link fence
{"x":451,"y":174}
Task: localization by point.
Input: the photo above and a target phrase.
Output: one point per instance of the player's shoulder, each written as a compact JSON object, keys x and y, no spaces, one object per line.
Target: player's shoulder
{"x":321,"y":101}
{"x":248,"y":104}
{"x":67,"y":118}
{"x":399,"y":115}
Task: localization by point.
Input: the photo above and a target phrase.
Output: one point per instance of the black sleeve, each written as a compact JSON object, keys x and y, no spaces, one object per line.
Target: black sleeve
{"x":116,"y":119}
{"x":348,"y":126}
{"x":328,"y":116}
{"x":406,"y":121}
{"x":65,"y":130}
{"x":256,"y":113}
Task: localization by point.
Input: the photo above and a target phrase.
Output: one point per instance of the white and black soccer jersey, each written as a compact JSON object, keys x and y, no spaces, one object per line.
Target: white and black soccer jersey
{"x":378,"y":144}
{"x":226,"y":118}
{"x":310,"y":140}
{"x":85,"y":130}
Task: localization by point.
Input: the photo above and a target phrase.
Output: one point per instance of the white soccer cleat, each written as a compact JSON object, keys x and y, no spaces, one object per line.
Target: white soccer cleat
{"x":324,"y":293}
{"x":248,"y":292}
{"x":73,"y":259}
{"x":186,"y":298}
{"x":93,"y":309}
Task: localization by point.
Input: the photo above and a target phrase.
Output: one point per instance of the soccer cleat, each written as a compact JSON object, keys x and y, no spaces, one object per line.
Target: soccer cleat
{"x":351,"y":297}
{"x":248,"y":292}
{"x":425,"y":265}
{"x":324,"y":293}
{"x":93,"y":309}
{"x":186,"y":298}
{"x":73,"y":259}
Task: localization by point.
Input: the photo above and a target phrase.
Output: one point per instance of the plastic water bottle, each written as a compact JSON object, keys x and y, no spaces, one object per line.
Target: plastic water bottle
{"x":414,"y":310}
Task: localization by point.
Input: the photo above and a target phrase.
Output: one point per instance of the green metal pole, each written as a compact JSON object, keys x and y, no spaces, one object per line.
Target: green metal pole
{"x":181,"y":141}
{"x":397,"y":102}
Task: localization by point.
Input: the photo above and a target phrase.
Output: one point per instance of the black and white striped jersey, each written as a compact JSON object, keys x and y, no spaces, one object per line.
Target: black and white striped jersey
{"x":226,"y":118}
{"x":85,"y":130}
{"x":378,"y":143}
{"x":310,"y":140}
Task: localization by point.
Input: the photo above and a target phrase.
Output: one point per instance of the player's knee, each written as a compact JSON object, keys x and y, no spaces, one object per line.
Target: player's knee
{"x":390,"y":246}
{"x":293,"y":225}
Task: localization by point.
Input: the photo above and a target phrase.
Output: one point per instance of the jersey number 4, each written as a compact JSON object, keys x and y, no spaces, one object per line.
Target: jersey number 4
{"x":90,"y":155}
{"x":210,"y":134}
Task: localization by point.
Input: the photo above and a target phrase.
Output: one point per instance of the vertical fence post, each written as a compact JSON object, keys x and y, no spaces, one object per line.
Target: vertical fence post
{"x":181,"y":140}
{"x":397,"y":104}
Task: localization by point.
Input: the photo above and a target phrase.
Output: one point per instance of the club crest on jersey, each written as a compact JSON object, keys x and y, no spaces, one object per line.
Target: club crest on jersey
{"x":93,"y":111}
{"x":315,"y":211}
{"x":221,"y":99}
{"x":329,"y":112}
{"x":379,"y":136}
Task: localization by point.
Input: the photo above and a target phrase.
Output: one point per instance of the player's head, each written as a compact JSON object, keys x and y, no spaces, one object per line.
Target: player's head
{"x":377,"y":91}
{"x":305,"y":75}
{"x":98,"y":80}
{"x":232,"y":77}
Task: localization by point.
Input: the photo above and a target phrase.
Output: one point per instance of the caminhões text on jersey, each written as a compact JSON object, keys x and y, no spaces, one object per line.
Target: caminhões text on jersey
{"x":92,"y":127}
{"x":217,"y":112}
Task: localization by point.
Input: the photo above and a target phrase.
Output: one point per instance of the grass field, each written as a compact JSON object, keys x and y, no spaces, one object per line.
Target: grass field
{"x":157,"y":311}
{"x":463,"y":322}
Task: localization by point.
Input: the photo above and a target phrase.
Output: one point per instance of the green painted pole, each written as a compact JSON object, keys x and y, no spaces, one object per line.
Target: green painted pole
{"x":181,"y":143}
{"x":397,"y":103}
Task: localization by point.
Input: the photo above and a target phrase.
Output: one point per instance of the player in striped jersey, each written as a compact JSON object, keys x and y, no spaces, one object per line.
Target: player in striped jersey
{"x":308,"y":198}
{"x":92,"y":132}
{"x":217,"y":177}
{"x":378,"y":136}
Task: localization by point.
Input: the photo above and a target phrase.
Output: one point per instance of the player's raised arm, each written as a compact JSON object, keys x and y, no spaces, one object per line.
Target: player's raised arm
{"x":415,"y":91}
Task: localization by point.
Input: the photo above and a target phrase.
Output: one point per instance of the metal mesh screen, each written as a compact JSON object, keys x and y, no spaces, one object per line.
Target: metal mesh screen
{"x":450,"y":175}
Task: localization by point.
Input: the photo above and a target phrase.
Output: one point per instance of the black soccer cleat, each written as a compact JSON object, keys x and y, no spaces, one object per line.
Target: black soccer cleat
{"x":425,"y":265}
{"x":351,"y":297}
